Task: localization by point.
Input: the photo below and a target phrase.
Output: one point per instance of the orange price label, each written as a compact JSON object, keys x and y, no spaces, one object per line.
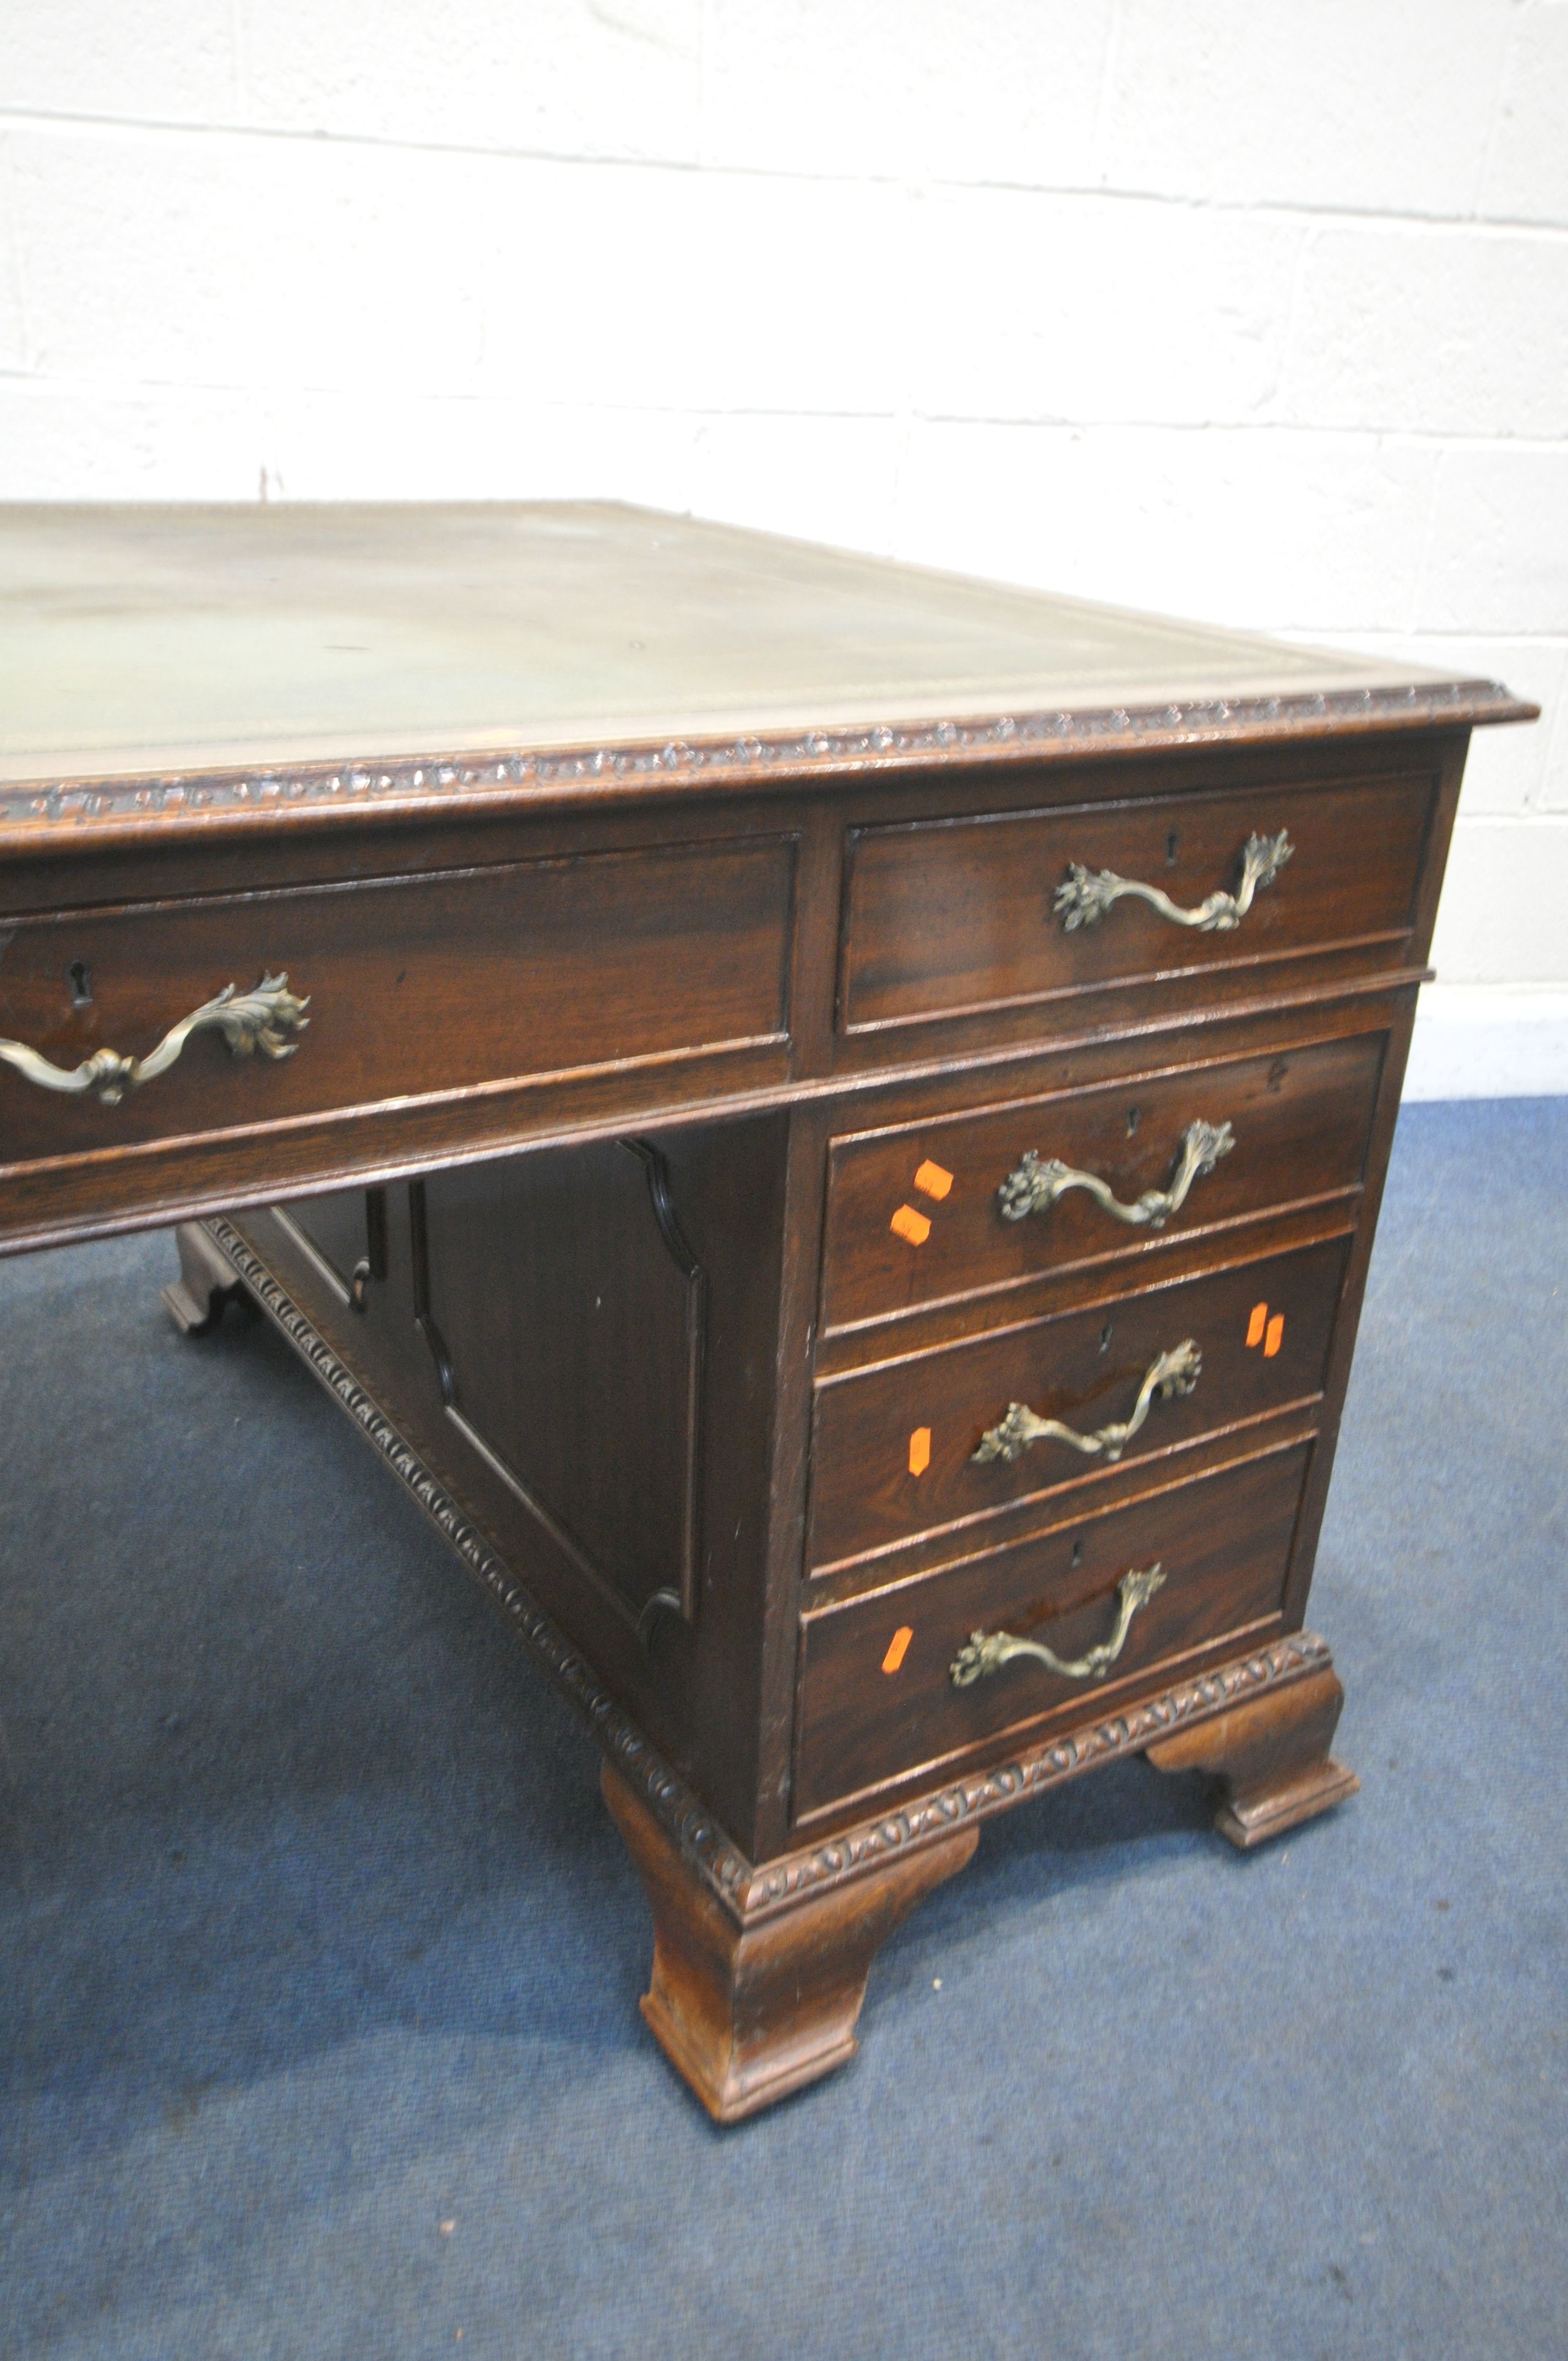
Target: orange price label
{"x":907,"y":1224}
{"x":1276,"y":1336}
{"x":932,"y":1181}
{"x":1257,"y":1324}
{"x":920,"y":1451}
{"x":896,"y":1648}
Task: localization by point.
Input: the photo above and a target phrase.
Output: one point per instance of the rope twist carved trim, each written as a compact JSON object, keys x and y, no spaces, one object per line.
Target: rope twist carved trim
{"x":348,"y":786}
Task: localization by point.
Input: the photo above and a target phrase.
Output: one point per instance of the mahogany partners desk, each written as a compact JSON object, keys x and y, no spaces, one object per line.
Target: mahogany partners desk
{"x":956,"y":1035}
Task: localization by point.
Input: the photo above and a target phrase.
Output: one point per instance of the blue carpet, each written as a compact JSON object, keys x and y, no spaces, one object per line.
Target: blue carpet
{"x":319,"y":1959}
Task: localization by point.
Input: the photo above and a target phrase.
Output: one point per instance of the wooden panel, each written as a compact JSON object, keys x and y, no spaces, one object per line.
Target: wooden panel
{"x":1300,"y":1119}
{"x":585,"y":1401}
{"x":565,"y":1313}
{"x":427,"y":987}
{"x":948,"y":916}
{"x":894,"y":1443}
{"x":1223,"y":1542}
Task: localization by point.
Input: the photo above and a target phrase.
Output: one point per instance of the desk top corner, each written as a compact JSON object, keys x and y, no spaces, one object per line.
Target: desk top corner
{"x":191,"y":665}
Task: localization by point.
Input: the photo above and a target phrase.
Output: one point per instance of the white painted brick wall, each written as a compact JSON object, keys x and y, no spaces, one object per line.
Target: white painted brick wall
{"x":1257,"y":313}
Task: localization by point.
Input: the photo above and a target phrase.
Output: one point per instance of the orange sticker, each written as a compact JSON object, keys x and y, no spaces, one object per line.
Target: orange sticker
{"x":1255,"y":1326}
{"x":907,"y":1224}
{"x":896,"y":1647}
{"x":932,"y":1181}
{"x":920,"y":1451}
{"x":1275,"y":1337}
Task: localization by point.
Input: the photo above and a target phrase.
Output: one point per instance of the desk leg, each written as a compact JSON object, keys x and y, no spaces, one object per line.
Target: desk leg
{"x":750,"y":2014}
{"x":1272,"y":1757}
{"x":206,"y":1283}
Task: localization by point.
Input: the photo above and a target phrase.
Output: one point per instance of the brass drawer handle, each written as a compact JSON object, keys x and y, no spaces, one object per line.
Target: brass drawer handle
{"x":1085,"y":895}
{"x":1036,"y":1182}
{"x":984,"y":1653}
{"x":262,"y":1020}
{"x":1176,"y":1372}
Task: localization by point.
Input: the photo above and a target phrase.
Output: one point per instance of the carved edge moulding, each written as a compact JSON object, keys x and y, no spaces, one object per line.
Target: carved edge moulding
{"x":747,"y":1893}
{"x":488,"y":781}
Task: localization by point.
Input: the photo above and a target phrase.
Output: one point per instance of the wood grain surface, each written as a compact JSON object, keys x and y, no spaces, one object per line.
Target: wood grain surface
{"x":1223,"y":1540}
{"x":1299,"y":1119}
{"x":678,"y":910}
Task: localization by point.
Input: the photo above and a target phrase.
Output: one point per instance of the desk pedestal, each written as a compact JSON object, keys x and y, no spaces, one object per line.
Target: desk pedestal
{"x":640,"y":1607}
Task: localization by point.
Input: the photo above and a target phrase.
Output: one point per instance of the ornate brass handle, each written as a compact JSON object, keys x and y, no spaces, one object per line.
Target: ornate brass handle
{"x":1085,"y":895}
{"x":1036,"y":1182}
{"x":262,"y":1019}
{"x":1176,"y":1372}
{"x":984,"y":1653}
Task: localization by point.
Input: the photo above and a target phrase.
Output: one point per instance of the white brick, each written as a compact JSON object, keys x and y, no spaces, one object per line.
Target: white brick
{"x":321,"y":446}
{"x":912,"y":89}
{"x":1554,"y":789}
{"x":832,"y":480}
{"x":1499,"y":532}
{"x":1439,"y":330}
{"x":556,"y":77}
{"x":1512,"y":770}
{"x":1090,"y":307}
{"x":141,"y":59}
{"x":80,"y":444}
{"x":1262,"y":529}
{"x":223,"y":262}
{"x":1501,"y":917}
{"x":237,"y":261}
{"x":1370,"y":104}
{"x":705,"y":290}
{"x":165,"y":444}
{"x":15,"y":355}
{"x":1526,"y":176}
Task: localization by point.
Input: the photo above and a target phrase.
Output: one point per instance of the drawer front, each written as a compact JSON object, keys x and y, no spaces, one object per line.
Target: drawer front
{"x":417,"y":986}
{"x":1300,"y":1121}
{"x":895,"y":1453}
{"x":953,"y":918}
{"x":877,"y":1700}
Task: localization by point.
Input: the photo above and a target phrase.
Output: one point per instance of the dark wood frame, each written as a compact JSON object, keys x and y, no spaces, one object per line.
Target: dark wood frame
{"x":766,"y":1920}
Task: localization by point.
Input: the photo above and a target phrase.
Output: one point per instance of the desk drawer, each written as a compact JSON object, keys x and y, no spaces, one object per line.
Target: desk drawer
{"x":1299,"y":1123}
{"x":957,"y":916}
{"x":429,"y":986}
{"x":894,"y":1451}
{"x":878,"y":1702}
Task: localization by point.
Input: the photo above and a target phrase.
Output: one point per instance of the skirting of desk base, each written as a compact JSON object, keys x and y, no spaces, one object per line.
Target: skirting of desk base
{"x":760,"y":1968}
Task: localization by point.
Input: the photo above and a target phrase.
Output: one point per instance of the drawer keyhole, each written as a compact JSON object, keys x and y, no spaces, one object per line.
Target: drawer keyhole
{"x":1075,"y":1558}
{"x":1134,"y":1116}
{"x":79,"y":976}
{"x":1105,"y":1336}
{"x":1171,"y":842}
